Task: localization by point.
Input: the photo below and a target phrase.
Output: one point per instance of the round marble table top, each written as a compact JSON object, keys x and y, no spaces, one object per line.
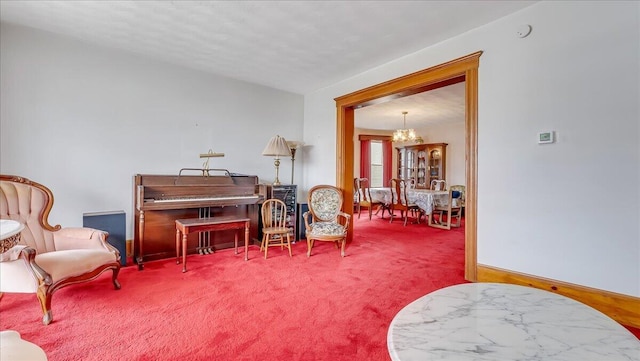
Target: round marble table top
{"x":14,"y":348}
{"x":491,"y":321}
{"x":9,"y":234}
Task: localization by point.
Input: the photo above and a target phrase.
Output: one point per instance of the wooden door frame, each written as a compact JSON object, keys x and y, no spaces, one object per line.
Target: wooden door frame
{"x":435,"y":77}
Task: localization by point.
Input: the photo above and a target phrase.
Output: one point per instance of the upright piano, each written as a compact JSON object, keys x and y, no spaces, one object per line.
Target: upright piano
{"x":161,"y":199}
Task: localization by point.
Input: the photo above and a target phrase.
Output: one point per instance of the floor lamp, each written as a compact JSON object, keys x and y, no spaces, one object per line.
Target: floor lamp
{"x":276,"y":147}
{"x":293,"y":145}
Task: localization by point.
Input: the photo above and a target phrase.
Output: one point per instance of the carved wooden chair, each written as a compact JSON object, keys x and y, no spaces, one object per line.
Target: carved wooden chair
{"x":325,"y":220}
{"x":438,"y":185}
{"x":274,"y":226}
{"x":47,"y":257}
{"x":362,"y":193}
{"x":400,"y":201}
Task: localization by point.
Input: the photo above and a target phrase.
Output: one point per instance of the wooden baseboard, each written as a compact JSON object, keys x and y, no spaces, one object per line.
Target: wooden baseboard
{"x":622,"y":308}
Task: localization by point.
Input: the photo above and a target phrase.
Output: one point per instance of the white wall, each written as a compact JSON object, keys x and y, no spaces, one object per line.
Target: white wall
{"x":83,"y":120}
{"x":567,"y":211}
{"x":453,"y":135}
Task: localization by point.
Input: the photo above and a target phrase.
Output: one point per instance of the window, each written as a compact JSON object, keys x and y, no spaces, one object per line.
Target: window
{"x":375,"y":159}
{"x":376,"y":164}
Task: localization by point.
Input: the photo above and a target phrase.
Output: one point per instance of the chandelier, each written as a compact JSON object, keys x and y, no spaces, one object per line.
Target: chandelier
{"x":404,"y":134}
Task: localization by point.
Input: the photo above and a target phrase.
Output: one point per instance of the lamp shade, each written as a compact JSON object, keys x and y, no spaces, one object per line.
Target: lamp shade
{"x":277,"y":146}
{"x":294,"y":144}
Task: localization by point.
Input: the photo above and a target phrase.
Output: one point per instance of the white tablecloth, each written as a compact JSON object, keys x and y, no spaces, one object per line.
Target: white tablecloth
{"x":423,"y":198}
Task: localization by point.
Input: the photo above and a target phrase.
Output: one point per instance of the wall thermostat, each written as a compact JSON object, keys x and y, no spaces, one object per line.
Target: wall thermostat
{"x":546,"y":137}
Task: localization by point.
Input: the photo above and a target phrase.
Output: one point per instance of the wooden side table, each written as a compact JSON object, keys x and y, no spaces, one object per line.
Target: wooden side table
{"x":186,"y":226}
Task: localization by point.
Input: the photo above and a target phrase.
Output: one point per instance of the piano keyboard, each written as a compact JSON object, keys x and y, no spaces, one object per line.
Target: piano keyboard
{"x":200,"y":199}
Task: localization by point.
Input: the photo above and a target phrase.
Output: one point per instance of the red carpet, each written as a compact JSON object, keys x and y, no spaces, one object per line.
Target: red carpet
{"x":320,"y":308}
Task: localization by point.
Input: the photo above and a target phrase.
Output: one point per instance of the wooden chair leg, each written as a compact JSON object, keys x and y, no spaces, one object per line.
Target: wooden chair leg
{"x":309,"y":246}
{"x":448,"y":226}
{"x":45,"y":303}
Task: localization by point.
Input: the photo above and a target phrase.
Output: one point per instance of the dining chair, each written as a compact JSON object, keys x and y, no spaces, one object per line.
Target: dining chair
{"x":325,"y":220}
{"x":442,"y":213}
{"x":274,"y":226}
{"x":399,"y":201}
{"x":460,"y":188}
{"x":362,"y":192}
{"x":438,"y":185}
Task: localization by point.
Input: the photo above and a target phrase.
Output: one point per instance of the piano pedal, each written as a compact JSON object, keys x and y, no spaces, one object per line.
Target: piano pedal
{"x":210,"y":250}
{"x":200,"y":251}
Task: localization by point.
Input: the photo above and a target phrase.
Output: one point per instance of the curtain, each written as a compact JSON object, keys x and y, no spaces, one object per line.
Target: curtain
{"x":387,"y":158}
{"x":365,"y":158}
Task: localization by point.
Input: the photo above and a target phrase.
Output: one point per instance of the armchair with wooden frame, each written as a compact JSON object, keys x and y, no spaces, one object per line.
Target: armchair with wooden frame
{"x":325,"y":220}
{"x":48,"y":258}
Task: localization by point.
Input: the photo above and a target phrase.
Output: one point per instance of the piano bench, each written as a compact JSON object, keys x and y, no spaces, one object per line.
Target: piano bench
{"x":186,"y":226}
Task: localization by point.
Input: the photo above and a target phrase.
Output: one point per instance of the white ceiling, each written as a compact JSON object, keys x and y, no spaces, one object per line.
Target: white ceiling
{"x":297,"y":46}
{"x":442,"y":105}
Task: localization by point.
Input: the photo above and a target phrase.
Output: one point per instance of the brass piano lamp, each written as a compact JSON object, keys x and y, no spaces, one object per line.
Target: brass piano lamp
{"x":205,"y":165}
{"x":276,"y":147}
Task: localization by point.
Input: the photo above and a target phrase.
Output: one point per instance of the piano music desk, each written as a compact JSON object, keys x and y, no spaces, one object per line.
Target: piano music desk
{"x":186,"y":226}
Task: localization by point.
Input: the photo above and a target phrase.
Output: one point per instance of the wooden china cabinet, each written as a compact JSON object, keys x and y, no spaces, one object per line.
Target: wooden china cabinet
{"x":422,"y":163}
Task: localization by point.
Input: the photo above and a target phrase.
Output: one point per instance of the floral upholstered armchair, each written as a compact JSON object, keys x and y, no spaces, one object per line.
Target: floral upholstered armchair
{"x":47,"y":258}
{"x":325,"y":220}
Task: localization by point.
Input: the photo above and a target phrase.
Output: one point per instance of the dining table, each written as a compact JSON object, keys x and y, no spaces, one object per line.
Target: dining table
{"x":423,"y":198}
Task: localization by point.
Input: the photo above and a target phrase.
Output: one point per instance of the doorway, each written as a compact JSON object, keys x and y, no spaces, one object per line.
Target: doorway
{"x":464,"y":68}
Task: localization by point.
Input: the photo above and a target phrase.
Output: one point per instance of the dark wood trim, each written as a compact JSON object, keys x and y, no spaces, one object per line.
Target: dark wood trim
{"x":454,"y":71}
{"x":374,"y":137}
{"x":622,"y":308}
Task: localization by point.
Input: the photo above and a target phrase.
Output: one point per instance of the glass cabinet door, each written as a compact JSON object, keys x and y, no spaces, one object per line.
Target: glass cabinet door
{"x":422,"y":163}
{"x":402,"y":163}
{"x":436,"y":164}
{"x":421,"y":171}
{"x":411,"y":164}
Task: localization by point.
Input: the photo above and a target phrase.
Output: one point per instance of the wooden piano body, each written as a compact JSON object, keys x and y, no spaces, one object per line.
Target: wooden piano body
{"x":161,"y":199}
